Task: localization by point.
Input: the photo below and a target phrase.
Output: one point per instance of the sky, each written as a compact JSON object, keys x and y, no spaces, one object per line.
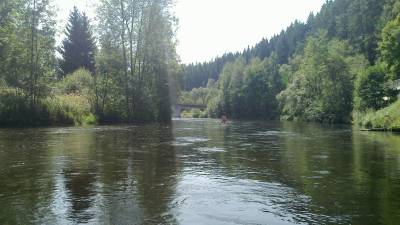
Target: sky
{"x":210,"y":28}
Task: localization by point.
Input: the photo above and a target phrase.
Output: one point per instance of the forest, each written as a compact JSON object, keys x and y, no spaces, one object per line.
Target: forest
{"x":116,"y":72}
{"x":340,"y":66}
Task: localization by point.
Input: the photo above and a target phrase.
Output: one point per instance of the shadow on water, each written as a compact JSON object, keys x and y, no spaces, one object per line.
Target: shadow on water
{"x":200,"y":172}
{"x":107,"y":175}
{"x":26,"y":182}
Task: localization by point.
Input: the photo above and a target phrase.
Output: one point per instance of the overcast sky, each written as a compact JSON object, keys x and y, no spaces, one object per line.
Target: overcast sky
{"x":209,"y":28}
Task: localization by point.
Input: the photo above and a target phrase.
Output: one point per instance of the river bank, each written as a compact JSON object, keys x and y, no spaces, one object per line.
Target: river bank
{"x":386,"y":119}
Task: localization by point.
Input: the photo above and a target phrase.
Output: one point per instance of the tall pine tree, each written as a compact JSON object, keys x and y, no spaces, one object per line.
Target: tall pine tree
{"x":78,"y":48}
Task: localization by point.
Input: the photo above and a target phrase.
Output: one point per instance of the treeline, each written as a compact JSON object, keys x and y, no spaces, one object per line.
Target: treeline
{"x":357,"y":21}
{"x":344,"y":59}
{"x":120,"y":73}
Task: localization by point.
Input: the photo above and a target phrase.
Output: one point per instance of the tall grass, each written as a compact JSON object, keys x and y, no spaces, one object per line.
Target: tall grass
{"x":16,"y":111}
{"x":386,"y":119}
{"x":68,"y":104}
{"x":70,"y":109}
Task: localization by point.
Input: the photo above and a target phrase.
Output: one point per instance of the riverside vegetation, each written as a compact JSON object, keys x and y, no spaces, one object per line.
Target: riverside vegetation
{"x":121,"y":76}
{"x":337,"y":67}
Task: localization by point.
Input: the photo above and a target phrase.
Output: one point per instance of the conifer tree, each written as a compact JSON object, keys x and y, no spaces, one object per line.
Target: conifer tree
{"x":78,"y":48}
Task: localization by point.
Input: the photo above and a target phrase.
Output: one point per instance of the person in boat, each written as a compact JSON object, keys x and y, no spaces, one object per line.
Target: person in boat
{"x":224,"y":119}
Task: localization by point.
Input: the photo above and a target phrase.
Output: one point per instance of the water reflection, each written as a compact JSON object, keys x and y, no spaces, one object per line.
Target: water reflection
{"x":200,"y":172}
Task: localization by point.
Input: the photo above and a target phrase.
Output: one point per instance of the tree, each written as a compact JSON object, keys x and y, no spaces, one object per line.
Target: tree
{"x":370,"y":89}
{"x":246,"y":90}
{"x":27,"y":46}
{"x":78,"y":48}
{"x":322,"y":88}
{"x":140,"y":36}
{"x":390,"y":47}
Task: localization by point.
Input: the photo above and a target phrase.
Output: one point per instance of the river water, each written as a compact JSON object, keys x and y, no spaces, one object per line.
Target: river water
{"x":200,"y":172}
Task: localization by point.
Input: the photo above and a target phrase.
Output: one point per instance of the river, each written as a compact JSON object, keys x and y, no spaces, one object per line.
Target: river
{"x":197,"y":171}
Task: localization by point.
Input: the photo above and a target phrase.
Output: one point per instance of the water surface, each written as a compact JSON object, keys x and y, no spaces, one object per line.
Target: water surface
{"x":200,"y":172}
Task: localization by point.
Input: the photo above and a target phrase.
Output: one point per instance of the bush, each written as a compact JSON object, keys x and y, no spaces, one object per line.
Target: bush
{"x":79,"y":82}
{"x":16,"y":111}
{"x":370,"y":89}
{"x":194,"y":113}
{"x":72,"y":103}
{"x":58,"y":110}
{"x":70,"y":109}
{"x":385,"y":119}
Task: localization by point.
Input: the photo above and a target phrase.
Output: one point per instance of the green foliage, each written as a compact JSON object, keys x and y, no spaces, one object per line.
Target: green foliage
{"x":195,"y":96}
{"x":194,"y":113}
{"x":322,"y":88}
{"x":70,"y":109}
{"x":322,"y":74}
{"x":27,"y":61}
{"x":78,"y":48}
{"x":14,"y":110}
{"x":135,"y":67}
{"x":386,"y":119}
{"x":317,"y":70}
{"x":58,"y":110}
{"x":247,"y":91}
{"x":79,"y":82}
{"x":357,"y":21}
{"x":73,"y":102}
{"x":371,"y":88}
{"x":390,"y":46}
{"x":199,"y":96}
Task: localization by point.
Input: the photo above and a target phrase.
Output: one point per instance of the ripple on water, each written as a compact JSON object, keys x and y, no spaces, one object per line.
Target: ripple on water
{"x":187,"y":128}
{"x":320,"y":157}
{"x":322,"y":172}
{"x":177,"y":143}
{"x":185,"y":141}
{"x":273,"y":133}
{"x":213,"y":149}
{"x":246,"y":145}
{"x":192,"y":139}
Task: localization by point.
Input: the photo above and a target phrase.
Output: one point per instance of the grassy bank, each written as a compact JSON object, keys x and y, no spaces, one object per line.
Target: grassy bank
{"x":65,"y":102}
{"x":387,"y":119}
{"x":65,"y":109}
{"x":70,"y":109}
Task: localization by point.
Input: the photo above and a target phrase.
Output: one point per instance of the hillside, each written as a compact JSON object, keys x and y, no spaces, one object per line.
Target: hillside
{"x":318,"y":70}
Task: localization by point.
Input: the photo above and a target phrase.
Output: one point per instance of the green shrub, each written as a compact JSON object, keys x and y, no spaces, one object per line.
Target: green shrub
{"x":16,"y":111}
{"x":70,"y":109}
{"x":186,"y":114}
{"x":72,"y":100}
{"x":194,"y":113}
{"x":90,"y":119}
{"x":79,"y":82}
{"x":370,"y":89}
{"x":386,"y":119}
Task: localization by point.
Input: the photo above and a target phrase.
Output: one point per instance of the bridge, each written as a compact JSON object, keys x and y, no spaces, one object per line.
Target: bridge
{"x":179,"y":108}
